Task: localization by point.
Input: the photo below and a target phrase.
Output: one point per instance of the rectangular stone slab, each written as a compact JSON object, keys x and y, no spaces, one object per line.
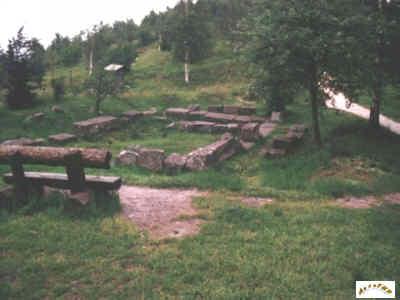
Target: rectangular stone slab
{"x":218,"y":117}
{"x":62,"y":138}
{"x":97,"y":125}
{"x":177,"y":113}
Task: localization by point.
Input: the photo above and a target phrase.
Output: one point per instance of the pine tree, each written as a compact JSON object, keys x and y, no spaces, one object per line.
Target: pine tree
{"x":24,"y":65}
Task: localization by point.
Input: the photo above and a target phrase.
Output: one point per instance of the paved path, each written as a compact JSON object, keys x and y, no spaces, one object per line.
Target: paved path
{"x":340,"y":102}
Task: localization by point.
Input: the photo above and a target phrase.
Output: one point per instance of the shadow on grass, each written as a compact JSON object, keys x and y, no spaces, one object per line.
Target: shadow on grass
{"x":56,"y":204}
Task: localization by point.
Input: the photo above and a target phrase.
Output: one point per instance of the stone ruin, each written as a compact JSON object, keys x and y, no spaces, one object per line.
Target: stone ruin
{"x":200,"y":159}
{"x":283,"y":144}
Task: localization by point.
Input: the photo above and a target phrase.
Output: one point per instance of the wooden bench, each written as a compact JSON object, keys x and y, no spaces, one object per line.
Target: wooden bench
{"x":73,"y":159}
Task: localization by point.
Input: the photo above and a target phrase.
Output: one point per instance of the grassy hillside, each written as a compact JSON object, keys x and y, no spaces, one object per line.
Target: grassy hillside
{"x":300,"y":247}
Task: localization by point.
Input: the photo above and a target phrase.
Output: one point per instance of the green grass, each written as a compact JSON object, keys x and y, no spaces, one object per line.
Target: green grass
{"x":390,"y":103}
{"x":301,"y":247}
{"x":299,"y":250}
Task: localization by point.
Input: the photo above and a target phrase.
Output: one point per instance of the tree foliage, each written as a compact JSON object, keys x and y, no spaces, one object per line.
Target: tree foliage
{"x":101,"y":85}
{"x":24,"y":66}
{"x":294,"y":45}
{"x":190,"y":32}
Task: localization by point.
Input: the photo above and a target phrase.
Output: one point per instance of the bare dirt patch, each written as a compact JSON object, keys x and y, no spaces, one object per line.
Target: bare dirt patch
{"x":368,"y":201}
{"x":164,"y":213}
{"x":392,"y":198}
{"x":256,"y":202}
{"x":351,"y":169}
{"x":353,"y":202}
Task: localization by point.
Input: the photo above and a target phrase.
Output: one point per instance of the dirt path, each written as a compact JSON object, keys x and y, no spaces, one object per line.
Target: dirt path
{"x":340,"y":102}
{"x":163,"y":213}
{"x":368,"y":201}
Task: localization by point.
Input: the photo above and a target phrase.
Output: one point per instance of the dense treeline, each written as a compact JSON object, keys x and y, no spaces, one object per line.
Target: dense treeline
{"x":291,"y":46}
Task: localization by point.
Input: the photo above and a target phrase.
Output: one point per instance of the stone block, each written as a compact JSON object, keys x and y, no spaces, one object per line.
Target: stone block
{"x":62,"y":138}
{"x":174,"y":163}
{"x":249,"y":132}
{"x":177,"y":113}
{"x":197,"y":115}
{"x":276,"y":117}
{"x":97,"y":125}
{"x":232,"y":128}
{"x":204,"y":157}
{"x":265,"y":129}
{"x":219,"y":117}
{"x":132,"y":115}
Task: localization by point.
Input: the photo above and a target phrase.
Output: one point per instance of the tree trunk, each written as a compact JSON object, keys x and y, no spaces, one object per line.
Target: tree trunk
{"x":97,"y":107}
{"x":313,"y":90}
{"x":187,"y":55}
{"x":187,"y":75}
{"x":91,"y":62}
{"x":375,"y":112}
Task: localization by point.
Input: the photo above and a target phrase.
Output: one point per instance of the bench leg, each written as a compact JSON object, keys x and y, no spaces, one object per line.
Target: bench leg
{"x":20,"y":183}
{"x":75,"y":173}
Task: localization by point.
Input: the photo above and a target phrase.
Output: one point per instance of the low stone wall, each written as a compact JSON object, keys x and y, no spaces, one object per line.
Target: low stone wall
{"x":249,"y":132}
{"x":97,"y":125}
{"x":218,"y":114}
{"x":284,"y":144}
{"x":232,"y":109}
{"x":197,"y":160}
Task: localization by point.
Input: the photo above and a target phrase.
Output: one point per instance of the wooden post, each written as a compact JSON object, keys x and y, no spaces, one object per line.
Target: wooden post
{"x":75,"y":172}
{"x":20,"y":184}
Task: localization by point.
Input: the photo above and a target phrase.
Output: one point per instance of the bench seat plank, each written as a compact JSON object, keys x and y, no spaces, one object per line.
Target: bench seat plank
{"x":60,"y":181}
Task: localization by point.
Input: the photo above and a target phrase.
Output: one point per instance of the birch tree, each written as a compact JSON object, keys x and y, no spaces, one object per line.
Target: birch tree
{"x":191,"y":38}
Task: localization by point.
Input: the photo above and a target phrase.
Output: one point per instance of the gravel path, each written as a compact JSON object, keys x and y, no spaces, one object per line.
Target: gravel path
{"x":340,"y":102}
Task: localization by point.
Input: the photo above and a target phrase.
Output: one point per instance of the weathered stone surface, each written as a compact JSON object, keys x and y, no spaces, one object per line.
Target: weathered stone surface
{"x":246,"y":146}
{"x":257,"y":119}
{"x":216,"y":108}
{"x":218,"y":117}
{"x":177,"y":113}
{"x":151,"y":159}
{"x":276,"y":117}
{"x":36,"y":117}
{"x":151,"y":112}
{"x":175,"y":163}
{"x":132,"y":115}
{"x":249,"y":132}
{"x":127,"y":158}
{"x":201,"y":126}
{"x":243,"y":119}
{"x":231,"y":109}
{"x":204,"y":157}
{"x":57,"y":109}
{"x":194,"y":107}
{"x":82,"y":198}
{"x":24,"y":142}
{"x":97,"y":125}
{"x":197,"y":115}
{"x":247,"y":111}
{"x":62,"y":138}
{"x":265,"y":129}
{"x":231,"y":128}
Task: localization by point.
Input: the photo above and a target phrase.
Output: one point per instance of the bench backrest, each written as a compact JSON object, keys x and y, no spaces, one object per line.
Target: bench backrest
{"x":55,"y":156}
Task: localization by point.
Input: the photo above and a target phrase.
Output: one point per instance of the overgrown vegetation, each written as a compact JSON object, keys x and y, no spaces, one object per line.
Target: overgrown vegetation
{"x":301,"y":246}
